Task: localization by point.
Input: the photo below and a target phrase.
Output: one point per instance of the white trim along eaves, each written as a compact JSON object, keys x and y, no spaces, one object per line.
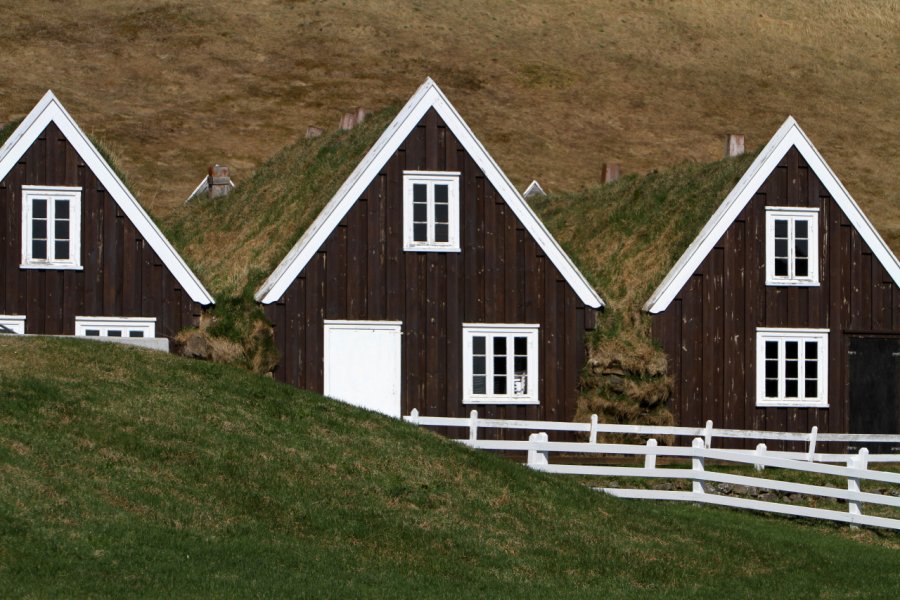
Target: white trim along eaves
{"x":427,"y":96}
{"x":48,"y":110}
{"x":788,"y":135}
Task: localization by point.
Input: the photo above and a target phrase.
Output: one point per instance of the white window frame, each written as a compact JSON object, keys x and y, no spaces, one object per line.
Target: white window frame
{"x":430,"y":178}
{"x":15,"y":323}
{"x":792,"y":214}
{"x":492,"y":330}
{"x":103,"y":325}
{"x":51,"y":194}
{"x":782,"y":335}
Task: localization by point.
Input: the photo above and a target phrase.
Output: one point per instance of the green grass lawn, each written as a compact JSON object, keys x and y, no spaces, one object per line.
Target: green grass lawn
{"x":131,"y":473}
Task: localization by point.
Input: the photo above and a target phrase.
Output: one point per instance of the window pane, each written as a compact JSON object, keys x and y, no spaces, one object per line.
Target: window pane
{"x":62,"y":209}
{"x":771,"y":369}
{"x":500,"y":385}
{"x":521,"y":346}
{"x":39,"y":229}
{"x":92,"y":332}
{"x":801,"y":229}
{"x":812,"y":350}
{"x":441,"y":213}
{"x":771,"y":388}
{"x":520,"y":384}
{"x":478,"y":365}
{"x":790,"y":388}
{"x":138,"y":334}
{"x":499,"y":365}
{"x":791,"y":349}
{"x":478,"y":385}
{"x":499,"y":345}
{"x":420,"y":232}
{"x":420,"y":212}
{"x":440,"y":194}
{"x":39,"y":209}
{"x":811,"y":389}
{"x":420,"y":192}
{"x":39,"y":249}
{"x":811,"y":369}
{"x":781,"y":267}
{"x":802,"y":267}
{"x":801,"y":248}
{"x":771,"y":349}
{"x":62,"y":250}
{"x":114,"y":333}
{"x":781,"y":228}
{"x":61,"y":230}
{"x":791,"y":369}
{"x":781,"y":248}
{"x":521,"y":364}
{"x":441,"y":233}
{"x":478,"y":344}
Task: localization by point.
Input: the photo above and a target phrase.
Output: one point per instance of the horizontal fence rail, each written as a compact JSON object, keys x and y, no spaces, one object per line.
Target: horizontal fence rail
{"x":854,"y":468}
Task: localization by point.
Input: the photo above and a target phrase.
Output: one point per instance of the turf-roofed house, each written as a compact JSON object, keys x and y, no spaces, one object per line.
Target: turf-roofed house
{"x":427,"y":282}
{"x":784,"y":313}
{"x":78,"y":254}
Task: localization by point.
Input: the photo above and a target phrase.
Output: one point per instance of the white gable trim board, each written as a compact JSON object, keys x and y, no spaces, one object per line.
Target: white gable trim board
{"x":48,"y":110}
{"x":789,"y":135}
{"x":426,"y":97}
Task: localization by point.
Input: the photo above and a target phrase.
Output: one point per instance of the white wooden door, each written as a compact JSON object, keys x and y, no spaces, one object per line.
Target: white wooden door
{"x":362,"y":364}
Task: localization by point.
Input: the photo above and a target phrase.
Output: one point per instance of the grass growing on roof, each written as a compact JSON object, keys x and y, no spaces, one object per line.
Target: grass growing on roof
{"x":133,"y":473}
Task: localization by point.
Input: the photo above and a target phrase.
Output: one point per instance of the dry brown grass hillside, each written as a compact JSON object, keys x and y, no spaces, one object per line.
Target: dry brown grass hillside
{"x":553,"y":88}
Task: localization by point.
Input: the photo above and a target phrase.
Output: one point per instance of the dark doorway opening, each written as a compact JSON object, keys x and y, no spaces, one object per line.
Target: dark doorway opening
{"x":875,"y":389}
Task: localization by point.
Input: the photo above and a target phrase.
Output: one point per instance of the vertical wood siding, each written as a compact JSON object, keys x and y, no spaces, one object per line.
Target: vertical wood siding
{"x":709,"y":330}
{"x":121,"y":277}
{"x":500,"y":276}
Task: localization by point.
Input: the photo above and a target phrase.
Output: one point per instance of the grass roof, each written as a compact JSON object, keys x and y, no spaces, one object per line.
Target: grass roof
{"x":234,"y":242}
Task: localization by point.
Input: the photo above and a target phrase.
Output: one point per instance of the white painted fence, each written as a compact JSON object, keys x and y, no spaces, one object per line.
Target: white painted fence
{"x":539,"y":449}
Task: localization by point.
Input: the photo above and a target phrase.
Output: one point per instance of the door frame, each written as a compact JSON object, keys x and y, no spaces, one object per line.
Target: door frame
{"x":351,"y":325}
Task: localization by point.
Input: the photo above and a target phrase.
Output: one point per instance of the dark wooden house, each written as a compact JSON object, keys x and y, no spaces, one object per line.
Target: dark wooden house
{"x":78,"y":254}
{"x":784,"y":313}
{"x":427,"y":282}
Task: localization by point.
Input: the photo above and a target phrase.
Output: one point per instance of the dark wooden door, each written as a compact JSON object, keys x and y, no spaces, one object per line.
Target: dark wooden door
{"x":875,"y":388}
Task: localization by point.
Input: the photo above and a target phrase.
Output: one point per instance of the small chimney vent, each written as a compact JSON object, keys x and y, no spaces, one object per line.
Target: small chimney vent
{"x":219,"y":181}
{"x":611,"y":172}
{"x":734,"y":145}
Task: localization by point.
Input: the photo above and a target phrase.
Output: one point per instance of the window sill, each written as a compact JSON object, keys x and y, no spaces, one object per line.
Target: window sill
{"x":791,"y":283}
{"x":52,"y":267}
{"x":432,"y":249}
{"x":776,"y":404}
{"x":501,"y":400}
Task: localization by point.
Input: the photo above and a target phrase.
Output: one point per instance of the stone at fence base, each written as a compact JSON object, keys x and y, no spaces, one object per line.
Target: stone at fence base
{"x":768,"y":497}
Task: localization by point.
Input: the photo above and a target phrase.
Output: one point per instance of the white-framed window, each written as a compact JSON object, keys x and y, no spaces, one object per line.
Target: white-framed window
{"x":791,"y":367}
{"x":792,"y":246}
{"x":12,"y":324}
{"x":51,"y":227}
{"x":431,"y":211}
{"x":500,"y":364}
{"x":133,"y":327}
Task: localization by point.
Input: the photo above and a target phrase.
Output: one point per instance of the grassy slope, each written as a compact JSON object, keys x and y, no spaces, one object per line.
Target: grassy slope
{"x":554,"y":89}
{"x":126,"y":473}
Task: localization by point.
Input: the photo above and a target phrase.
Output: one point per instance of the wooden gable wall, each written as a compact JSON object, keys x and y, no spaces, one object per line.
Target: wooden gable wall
{"x":709,"y":330}
{"x":122,"y":276}
{"x":501,"y":276}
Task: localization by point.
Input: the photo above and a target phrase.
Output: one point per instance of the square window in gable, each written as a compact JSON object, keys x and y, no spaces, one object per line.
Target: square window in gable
{"x":51,"y":227}
{"x":792,"y":246}
{"x":431,"y":211}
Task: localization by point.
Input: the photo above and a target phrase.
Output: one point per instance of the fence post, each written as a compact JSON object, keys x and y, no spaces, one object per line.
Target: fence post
{"x":538,"y":457}
{"x":473,"y":426}
{"x":707,"y":438}
{"x":812,"y":442}
{"x":860,"y":461}
{"x":650,"y":458}
{"x":760,"y":450}
{"x":414,"y":416}
{"x":593,"y":438}
{"x":698,"y":487}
